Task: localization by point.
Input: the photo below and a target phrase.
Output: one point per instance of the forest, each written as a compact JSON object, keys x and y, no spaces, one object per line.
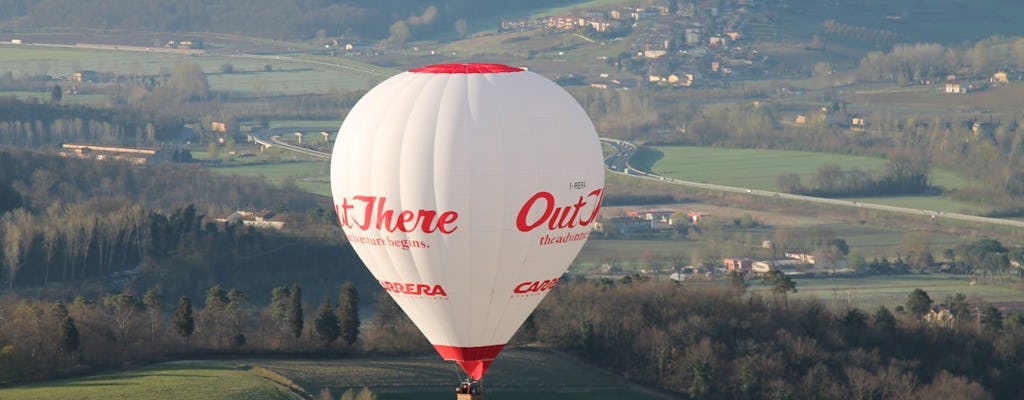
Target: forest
{"x":714,"y":341}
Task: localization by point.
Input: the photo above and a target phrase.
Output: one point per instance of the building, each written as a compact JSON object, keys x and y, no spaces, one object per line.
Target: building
{"x":738,"y":264}
{"x":134,"y":155}
{"x":85,"y":76}
{"x":256,"y":220}
{"x":999,"y":77}
{"x":955,"y":88}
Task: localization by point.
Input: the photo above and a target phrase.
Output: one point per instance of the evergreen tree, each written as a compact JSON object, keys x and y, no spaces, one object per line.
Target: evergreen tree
{"x":295,"y":321}
{"x":279,"y":307}
{"x":184,"y":323}
{"x":348,"y":313}
{"x":327,"y":328}
{"x":214,"y":312}
{"x":70,"y":341}
{"x":56,"y":94}
{"x":235,"y":311}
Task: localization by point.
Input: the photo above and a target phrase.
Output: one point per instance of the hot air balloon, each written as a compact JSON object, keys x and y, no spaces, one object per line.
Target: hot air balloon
{"x":467,"y":190}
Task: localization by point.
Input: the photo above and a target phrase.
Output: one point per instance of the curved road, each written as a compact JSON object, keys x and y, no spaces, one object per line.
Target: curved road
{"x":619,"y":163}
{"x":272,"y":137}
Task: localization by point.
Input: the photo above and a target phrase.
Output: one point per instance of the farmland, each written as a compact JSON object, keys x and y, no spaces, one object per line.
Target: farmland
{"x":176,"y":380}
{"x":251,"y":73}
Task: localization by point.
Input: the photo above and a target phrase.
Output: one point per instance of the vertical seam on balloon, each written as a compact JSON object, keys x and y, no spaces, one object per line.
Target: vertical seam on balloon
{"x":442,"y":259}
{"x":398,"y":272}
{"x":501,"y":232}
{"x":416,"y":272}
{"x":508,"y":300}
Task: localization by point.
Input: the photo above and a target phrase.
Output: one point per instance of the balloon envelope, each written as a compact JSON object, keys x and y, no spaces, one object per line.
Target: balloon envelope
{"x":467,"y":190}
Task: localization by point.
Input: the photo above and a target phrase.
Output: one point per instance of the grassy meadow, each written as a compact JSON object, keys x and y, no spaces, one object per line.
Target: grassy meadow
{"x":517,"y":373}
{"x":760,"y":169}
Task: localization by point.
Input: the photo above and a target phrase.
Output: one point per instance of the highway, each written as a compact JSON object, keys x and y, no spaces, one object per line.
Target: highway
{"x":619,"y":163}
{"x":272,"y":137}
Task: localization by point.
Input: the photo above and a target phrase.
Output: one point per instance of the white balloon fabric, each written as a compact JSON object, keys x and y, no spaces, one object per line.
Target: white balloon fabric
{"x":467,"y":190}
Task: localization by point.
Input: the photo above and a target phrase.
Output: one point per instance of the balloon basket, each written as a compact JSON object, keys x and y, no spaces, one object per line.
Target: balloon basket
{"x":469,"y":390}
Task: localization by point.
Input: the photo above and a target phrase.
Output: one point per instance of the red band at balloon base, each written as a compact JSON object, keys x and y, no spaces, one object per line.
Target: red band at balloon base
{"x":474,"y":360}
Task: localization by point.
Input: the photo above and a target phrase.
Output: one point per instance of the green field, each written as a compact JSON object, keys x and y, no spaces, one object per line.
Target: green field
{"x":287,"y":75}
{"x":760,"y":169}
{"x":310,"y":176}
{"x":867,"y":293}
{"x":517,"y":374}
{"x":197,"y":380}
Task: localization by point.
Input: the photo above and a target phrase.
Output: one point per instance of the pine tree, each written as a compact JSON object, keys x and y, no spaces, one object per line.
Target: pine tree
{"x":295,"y":321}
{"x":327,"y":328}
{"x":184,"y":323}
{"x":348,"y":313}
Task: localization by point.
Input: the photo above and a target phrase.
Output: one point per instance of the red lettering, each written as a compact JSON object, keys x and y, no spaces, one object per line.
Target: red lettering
{"x":375,"y":213}
{"x":561,"y":217}
{"x":535,"y":286}
{"x":413,"y":289}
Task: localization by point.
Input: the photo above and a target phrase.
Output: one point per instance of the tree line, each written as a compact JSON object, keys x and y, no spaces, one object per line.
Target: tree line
{"x":715,"y":342}
{"x":69,"y":224}
{"x":911,"y":63}
{"x":701,"y":341}
{"x":904,"y":174}
{"x":43,"y":339}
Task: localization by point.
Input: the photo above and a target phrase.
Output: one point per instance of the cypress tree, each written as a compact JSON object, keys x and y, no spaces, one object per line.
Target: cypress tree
{"x":295,"y":321}
{"x":184,"y":323}
{"x":348,"y":313}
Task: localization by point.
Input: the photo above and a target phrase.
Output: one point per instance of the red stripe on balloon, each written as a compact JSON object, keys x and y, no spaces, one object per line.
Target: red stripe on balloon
{"x":474,"y":360}
{"x":472,"y":68}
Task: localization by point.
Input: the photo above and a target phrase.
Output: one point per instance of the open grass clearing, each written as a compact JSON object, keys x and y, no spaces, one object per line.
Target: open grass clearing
{"x":199,"y":380}
{"x":760,"y":169}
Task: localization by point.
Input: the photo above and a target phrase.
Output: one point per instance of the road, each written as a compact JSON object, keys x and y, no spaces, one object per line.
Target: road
{"x":619,"y":163}
{"x":272,"y":137}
